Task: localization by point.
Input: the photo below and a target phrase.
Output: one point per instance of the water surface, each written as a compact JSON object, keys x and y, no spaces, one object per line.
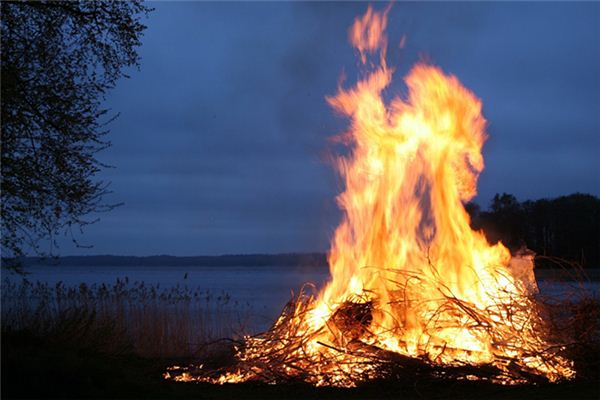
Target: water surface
{"x":266,"y":289}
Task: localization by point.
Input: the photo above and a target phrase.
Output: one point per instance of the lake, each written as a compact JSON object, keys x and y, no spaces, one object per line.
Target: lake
{"x":265,"y":289}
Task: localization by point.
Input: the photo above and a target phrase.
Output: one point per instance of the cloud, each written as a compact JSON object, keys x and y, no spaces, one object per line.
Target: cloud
{"x":221,"y":140}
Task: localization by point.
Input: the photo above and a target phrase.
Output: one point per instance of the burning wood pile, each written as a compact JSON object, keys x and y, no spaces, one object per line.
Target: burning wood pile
{"x":414,"y":290}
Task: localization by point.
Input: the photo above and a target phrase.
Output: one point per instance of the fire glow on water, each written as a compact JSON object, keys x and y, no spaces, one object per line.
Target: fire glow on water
{"x":410,"y":278}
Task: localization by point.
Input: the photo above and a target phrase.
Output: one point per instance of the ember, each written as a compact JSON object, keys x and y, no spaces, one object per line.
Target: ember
{"x":413,"y":287}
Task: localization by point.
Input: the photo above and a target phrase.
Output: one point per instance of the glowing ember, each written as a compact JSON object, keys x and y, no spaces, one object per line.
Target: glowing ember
{"x":412,"y":284}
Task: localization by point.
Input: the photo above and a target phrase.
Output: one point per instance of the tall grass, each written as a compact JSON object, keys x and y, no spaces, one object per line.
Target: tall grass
{"x":155,"y":322}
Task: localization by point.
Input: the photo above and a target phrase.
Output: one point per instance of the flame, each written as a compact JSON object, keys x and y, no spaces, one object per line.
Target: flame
{"x":409,"y":275}
{"x":412,"y":166}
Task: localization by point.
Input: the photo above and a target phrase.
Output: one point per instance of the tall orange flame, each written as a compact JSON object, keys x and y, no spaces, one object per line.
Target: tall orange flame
{"x":409,"y":275}
{"x":412,"y":166}
{"x":405,"y":233}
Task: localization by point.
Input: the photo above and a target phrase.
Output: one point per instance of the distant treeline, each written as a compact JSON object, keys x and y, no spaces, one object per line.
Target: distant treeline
{"x":566,"y":227}
{"x":252,"y":260}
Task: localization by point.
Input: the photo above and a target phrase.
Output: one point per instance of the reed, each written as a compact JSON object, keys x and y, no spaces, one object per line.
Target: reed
{"x":173,"y":322}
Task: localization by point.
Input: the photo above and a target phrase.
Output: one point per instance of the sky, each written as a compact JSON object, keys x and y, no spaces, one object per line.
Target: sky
{"x":222,"y":144}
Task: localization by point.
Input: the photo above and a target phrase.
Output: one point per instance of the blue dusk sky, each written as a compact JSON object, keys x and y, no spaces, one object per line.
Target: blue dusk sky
{"x":222,"y":142}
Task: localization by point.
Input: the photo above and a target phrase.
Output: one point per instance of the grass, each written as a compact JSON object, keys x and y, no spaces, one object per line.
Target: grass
{"x":34,"y":368}
{"x":116,"y":341}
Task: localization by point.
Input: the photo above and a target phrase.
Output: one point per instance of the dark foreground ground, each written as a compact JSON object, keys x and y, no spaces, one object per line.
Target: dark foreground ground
{"x":35,"y":368}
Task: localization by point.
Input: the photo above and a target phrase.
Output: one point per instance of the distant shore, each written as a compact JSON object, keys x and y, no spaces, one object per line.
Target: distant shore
{"x":592,"y":274}
{"x":310,"y":260}
{"x":229,"y":260}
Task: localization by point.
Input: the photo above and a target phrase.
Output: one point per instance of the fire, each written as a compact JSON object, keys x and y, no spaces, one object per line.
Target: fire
{"x":410,"y":279}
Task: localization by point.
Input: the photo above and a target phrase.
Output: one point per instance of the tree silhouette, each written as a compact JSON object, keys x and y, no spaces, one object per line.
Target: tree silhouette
{"x":58,"y":61}
{"x":567,"y":227}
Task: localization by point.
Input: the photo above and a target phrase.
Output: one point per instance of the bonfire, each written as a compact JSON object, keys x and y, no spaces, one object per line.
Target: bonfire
{"x":413,"y":289}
